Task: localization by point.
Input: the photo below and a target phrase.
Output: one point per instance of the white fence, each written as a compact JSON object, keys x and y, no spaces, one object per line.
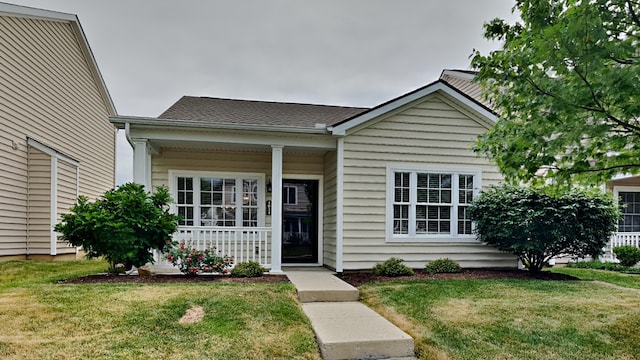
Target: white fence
{"x":242,"y":243}
{"x":621,"y":239}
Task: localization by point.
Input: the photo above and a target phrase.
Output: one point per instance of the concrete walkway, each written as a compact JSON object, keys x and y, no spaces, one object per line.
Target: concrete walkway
{"x":344,"y":327}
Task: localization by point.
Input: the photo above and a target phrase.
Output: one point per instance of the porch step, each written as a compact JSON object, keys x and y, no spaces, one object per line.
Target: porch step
{"x":319,"y":285}
{"x":350,"y":330}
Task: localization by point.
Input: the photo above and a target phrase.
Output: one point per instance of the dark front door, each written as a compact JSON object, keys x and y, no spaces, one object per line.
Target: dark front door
{"x":299,"y":221}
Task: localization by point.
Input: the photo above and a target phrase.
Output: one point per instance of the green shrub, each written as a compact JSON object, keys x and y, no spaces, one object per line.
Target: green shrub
{"x":536,"y":224}
{"x":392,"y":267}
{"x":442,"y":266}
{"x":628,"y":255}
{"x":123,"y":226}
{"x":597,"y":265}
{"x":248,"y":269}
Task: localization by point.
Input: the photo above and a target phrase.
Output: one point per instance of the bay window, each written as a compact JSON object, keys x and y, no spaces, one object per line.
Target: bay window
{"x":427,"y":204}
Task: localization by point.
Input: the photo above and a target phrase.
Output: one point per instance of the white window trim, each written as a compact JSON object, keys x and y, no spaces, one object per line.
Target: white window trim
{"x":616,"y":195}
{"x":391,"y":237}
{"x":286,"y":189}
{"x":173,"y":189}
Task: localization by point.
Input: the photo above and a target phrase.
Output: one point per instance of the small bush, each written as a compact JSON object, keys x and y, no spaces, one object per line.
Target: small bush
{"x":392,"y":267}
{"x":122,"y":226}
{"x":192,"y":262}
{"x":247,"y":269}
{"x":627,"y":254}
{"x":442,"y":266}
{"x":597,"y":265}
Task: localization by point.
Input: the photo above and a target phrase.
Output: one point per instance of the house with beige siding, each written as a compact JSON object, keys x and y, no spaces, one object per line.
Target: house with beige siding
{"x":394,"y":180}
{"x":56,"y":140}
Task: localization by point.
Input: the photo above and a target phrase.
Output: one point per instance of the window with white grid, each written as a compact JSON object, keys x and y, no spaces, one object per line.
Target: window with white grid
{"x":424,"y":204}
{"x":211,"y":200}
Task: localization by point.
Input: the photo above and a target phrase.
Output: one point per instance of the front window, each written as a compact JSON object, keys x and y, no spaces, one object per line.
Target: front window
{"x":630,"y":202}
{"x":431,"y":203}
{"x":217,"y":200}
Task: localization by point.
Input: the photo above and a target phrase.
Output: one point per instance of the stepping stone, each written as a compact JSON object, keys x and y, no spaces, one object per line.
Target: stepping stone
{"x":321,"y":286}
{"x":350,"y":330}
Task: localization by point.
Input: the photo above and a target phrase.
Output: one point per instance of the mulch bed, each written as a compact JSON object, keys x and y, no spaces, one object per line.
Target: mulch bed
{"x":358,"y":278}
{"x":353,"y":278}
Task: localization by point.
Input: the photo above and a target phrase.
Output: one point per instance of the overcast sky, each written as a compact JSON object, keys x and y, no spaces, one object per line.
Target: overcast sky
{"x":336,"y":52}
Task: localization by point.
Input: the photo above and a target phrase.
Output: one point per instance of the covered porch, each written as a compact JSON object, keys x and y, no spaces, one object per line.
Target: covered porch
{"x":265,"y":195}
{"x":626,"y":189}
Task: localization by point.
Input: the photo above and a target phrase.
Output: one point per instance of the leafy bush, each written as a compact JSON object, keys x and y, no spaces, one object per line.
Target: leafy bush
{"x":536,"y":224}
{"x":628,"y":255}
{"x":248,"y":269}
{"x":123,"y":226}
{"x":442,"y":266}
{"x":392,"y":267}
{"x":192,"y":262}
{"x":597,"y":265}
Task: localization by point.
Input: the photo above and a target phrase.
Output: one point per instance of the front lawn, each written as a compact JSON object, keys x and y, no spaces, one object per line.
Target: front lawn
{"x":43,"y":319}
{"x":512,"y":319}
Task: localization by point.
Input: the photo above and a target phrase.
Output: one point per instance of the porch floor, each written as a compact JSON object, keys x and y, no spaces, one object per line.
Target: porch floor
{"x":344,"y":327}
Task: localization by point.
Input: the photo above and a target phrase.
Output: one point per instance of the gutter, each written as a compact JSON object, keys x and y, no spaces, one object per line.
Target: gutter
{"x":126,"y":122}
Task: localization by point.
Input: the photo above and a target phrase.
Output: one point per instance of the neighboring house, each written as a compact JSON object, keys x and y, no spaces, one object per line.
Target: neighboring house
{"x":391,"y":181}
{"x":56,"y":138}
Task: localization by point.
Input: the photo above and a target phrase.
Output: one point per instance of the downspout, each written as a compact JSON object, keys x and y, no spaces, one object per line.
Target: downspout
{"x":127,"y":129}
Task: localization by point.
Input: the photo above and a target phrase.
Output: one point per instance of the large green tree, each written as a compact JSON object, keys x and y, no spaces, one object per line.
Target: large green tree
{"x":566,"y":87}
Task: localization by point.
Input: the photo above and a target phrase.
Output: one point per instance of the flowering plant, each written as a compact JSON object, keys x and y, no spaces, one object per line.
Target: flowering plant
{"x":192,"y":262}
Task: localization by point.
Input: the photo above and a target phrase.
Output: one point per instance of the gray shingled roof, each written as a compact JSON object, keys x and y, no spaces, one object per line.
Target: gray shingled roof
{"x":466,"y":85}
{"x":247,"y":112}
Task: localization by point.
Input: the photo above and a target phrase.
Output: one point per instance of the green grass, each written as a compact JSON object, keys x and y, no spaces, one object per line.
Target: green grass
{"x":625,"y":280}
{"x":42,"y":319}
{"x":27,"y":272}
{"x":512,"y":319}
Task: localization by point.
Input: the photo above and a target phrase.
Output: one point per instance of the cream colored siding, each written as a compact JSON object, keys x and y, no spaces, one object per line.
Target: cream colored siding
{"x":49,"y":94}
{"x":329,"y":232}
{"x":432,"y":133}
{"x":66,"y":197}
{"x":39,"y":219}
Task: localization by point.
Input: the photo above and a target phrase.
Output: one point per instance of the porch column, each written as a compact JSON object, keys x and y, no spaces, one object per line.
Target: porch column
{"x":276,"y":208}
{"x":142,"y":163}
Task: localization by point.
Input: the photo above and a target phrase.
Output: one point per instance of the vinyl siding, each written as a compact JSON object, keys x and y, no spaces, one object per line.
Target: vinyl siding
{"x":66,"y":197}
{"x":434,"y":132}
{"x":329,"y":233}
{"x":48,"y":93}
{"x":39,"y":194}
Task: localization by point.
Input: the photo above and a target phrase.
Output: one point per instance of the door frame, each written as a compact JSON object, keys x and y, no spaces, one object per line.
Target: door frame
{"x":320,"y":179}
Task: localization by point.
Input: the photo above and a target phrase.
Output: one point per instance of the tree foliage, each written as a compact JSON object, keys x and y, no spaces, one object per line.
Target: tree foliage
{"x":536,"y":224}
{"x":123,"y":226}
{"x":566,"y":86}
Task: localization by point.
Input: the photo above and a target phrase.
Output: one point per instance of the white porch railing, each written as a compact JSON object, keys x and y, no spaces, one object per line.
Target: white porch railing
{"x":242,"y":243}
{"x":621,"y":239}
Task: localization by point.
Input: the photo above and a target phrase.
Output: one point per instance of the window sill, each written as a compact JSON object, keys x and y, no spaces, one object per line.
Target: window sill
{"x":434,"y":239}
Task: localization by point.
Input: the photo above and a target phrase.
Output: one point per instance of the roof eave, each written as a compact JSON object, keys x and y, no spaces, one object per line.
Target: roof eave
{"x":120,"y":121}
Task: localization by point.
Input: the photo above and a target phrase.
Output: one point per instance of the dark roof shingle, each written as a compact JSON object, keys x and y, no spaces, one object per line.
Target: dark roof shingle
{"x":248,"y":112}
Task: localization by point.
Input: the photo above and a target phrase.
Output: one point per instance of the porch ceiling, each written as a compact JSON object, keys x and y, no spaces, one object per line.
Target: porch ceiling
{"x":232,"y":147}
{"x":232,"y":139}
